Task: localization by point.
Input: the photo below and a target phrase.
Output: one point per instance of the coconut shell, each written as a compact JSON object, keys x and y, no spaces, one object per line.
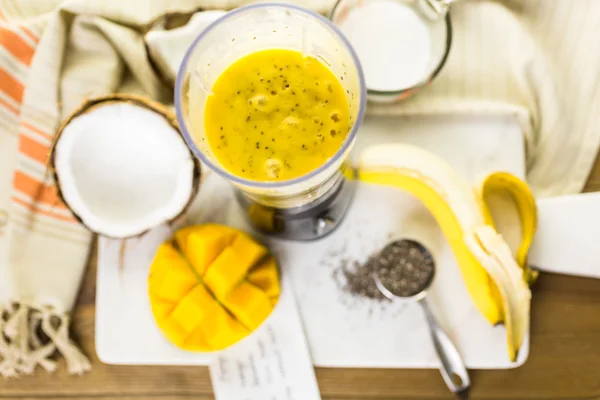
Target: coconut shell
{"x":137,"y":100}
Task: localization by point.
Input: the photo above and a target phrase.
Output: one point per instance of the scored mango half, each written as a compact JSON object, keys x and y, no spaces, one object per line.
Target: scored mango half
{"x":497,"y":280}
{"x":210,"y":286}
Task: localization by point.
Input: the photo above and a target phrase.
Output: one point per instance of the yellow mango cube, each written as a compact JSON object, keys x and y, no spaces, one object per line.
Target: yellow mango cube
{"x":202,"y":250}
{"x":197,"y":341}
{"x":175,"y":285}
{"x":177,"y":279}
{"x":225,"y":272}
{"x":172,"y":331}
{"x":181,"y":236}
{"x":221,"y":329}
{"x":247,"y":249}
{"x":161,"y":308}
{"x":250,"y":305}
{"x":165,"y":255}
{"x":266,"y":277}
{"x":193,"y":308}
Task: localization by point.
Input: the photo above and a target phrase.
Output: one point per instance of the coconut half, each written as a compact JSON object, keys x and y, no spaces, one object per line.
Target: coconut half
{"x":122,"y":166}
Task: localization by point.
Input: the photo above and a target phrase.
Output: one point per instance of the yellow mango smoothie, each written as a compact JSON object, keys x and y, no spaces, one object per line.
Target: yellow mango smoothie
{"x":276,"y":115}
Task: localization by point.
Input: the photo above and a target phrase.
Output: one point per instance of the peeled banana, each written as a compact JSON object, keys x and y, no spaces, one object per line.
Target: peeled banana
{"x":496,"y":280}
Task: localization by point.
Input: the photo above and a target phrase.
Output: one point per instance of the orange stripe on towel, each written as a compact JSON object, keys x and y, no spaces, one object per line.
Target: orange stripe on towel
{"x":37,"y":130}
{"x":11,"y":86}
{"x":16,"y":46}
{"x":37,"y":190}
{"x":33,"y":149}
{"x":37,"y":210}
{"x":9,"y":106}
{"x":29,"y":33}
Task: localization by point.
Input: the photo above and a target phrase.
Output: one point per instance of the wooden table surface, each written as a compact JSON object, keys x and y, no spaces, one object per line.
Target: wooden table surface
{"x":564,"y":360}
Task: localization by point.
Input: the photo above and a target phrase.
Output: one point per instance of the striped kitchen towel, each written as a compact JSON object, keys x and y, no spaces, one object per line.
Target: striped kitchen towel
{"x":32,"y":222}
{"x":42,"y":248}
{"x":535,"y":59}
{"x":53,"y":56}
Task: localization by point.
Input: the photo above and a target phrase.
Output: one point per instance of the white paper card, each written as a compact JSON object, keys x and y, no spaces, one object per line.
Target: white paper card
{"x":271,"y":364}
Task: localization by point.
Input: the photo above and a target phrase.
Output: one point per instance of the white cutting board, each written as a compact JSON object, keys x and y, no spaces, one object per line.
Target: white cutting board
{"x":342,"y":330}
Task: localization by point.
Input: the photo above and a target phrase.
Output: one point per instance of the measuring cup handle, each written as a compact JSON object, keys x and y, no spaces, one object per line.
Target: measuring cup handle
{"x":453,"y":369}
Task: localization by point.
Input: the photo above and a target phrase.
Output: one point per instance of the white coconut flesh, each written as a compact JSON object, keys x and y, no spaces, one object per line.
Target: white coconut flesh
{"x":123,"y":169}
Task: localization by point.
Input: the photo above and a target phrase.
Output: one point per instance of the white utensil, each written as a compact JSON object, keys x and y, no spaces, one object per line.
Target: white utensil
{"x":566,"y":241}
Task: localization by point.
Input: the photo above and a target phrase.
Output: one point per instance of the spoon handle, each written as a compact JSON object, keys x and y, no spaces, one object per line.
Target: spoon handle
{"x":453,"y":369}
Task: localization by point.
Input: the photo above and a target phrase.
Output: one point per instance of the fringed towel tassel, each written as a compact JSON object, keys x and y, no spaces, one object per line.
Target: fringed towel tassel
{"x":22,"y":349}
{"x":77,"y":363}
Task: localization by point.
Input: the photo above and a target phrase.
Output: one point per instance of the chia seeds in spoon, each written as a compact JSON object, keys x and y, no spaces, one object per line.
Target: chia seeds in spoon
{"x":404,"y":267}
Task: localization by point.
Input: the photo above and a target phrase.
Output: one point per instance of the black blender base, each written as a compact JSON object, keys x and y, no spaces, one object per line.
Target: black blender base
{"x":309,"y":222}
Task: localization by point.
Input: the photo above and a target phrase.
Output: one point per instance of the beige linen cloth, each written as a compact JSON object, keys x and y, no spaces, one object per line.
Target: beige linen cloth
{"x":537,"y":60}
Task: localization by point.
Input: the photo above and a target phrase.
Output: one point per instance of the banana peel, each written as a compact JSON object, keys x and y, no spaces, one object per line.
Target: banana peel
{"x":497,"y":280}
{"x":524,"y":201}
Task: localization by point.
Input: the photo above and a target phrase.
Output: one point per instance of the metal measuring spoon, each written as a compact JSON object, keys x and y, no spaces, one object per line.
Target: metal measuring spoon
{"x":409,"y":280}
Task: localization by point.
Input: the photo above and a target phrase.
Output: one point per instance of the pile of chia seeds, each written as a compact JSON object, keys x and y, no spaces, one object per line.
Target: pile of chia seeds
{"x":404,"y":267}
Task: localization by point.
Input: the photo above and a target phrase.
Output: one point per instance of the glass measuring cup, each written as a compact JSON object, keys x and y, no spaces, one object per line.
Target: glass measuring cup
{"x":432,"y":16}
{"x":260,"y":27}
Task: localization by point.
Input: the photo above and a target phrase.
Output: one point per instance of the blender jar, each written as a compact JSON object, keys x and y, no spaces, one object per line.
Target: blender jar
{"x":247,"y":30}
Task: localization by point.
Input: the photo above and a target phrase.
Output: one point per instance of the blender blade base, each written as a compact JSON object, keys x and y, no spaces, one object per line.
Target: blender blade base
{"x":308,"y":222}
